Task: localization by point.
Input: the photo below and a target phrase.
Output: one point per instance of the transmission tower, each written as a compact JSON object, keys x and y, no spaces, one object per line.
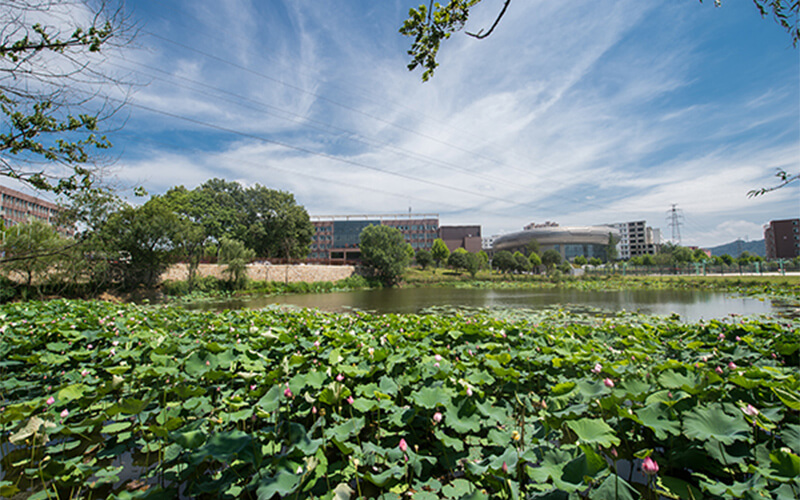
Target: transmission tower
{"x":675,"y":219}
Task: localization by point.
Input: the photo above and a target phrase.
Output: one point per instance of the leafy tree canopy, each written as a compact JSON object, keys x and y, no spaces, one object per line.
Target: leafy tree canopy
{"x":439,"y":251}
{"x":424,"y":258}
{"x":504,"y":261}
{"x":383,"y":248}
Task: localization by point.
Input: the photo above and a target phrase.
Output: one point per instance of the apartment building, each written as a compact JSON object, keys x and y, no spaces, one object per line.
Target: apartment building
{"x":782,"y":239}
{"x":17,"y":208}
{"x":636,"y":238}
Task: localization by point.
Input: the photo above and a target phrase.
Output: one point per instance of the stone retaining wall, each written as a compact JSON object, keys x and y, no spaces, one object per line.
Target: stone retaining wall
{"x":262,"y":272}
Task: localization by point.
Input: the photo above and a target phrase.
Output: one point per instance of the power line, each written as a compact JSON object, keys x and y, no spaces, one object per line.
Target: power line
{"x":674,"y":218}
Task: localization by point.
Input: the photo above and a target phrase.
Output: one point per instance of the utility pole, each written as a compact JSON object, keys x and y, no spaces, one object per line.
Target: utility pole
{"x":674,"y":219}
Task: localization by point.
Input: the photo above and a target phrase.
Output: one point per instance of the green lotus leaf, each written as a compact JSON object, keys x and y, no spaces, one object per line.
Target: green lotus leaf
{"x":271,"y":401}
{"x":225,"y":447}
{"x":677,"y":488}
{"x":704,"y":423}
{"x":457,"y":488}
{"x":789,"y":397}
{"x":431,"y":397}
{"x":384,"y":478}
{"x":656,"y":418}
{"x":791,"y":436}
{"x":784,"y":465}
{"x":71,"y":392}
{"x":283,"y":484}
{"x":593,"y":431}
{"x":615,"y":487}
{"x":676,"y":380}
{"x":562,"y":388}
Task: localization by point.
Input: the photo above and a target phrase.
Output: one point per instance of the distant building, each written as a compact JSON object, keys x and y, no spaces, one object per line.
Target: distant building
{"x":336,"y":237}
{"x":487,"y":242}
{"x":466,"y":237}
{"x":535,"y":225}
{"x":570,"y":242}
{"x":782,"y":239}
{"x":636,"y":238}
{"x":17,"y":208}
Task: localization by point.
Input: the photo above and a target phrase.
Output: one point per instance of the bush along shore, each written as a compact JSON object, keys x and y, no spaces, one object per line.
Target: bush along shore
{"x":121,"y":401}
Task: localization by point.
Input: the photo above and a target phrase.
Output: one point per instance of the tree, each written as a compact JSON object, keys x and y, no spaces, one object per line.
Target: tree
{"x":535,"y":261}
{"x":551,"y":258}
{"x":383,"y":248}
{"x":31,"y":249}
{"x":430,"y":25}
{"x":580,"y":260}
{"x":594,"y":261}
{"x":235,"y":255}
{"x":504,"y":261}
{"x":611,"y":248}
{"x":424,"y":258}
{"x":458,"y":259}
{"x":52,"y":94}
{"x":474,"y":264}
{"x":483,"y":258}
{"x":727,"y":259}
{"x":268,"y":221}
{"x":439,"y":251}
{"x":648,"y":260}
{"x":145,"y":235}
{"x":521,"y":263}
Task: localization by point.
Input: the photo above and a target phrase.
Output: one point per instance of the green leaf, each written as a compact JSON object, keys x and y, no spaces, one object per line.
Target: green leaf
{"x":271,"y":401}
{"x":283,"y":484}
{"x":431,"y":397}
{"x":594,"y":431}
{"x":791,"y":436}
{"x":788,"y":397}
{"x":713,"y":423}
{"x":656,"y":418}
{"x":614,"y":487}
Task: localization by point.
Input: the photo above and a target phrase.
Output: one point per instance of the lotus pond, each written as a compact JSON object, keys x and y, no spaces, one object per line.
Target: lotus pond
{"x":99,"y":400}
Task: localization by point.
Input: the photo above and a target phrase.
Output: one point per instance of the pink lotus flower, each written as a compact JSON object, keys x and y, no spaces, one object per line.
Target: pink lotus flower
{"x":252,"y":387}
{"x":650,"y":466}
{"x":469,"y":391}
{"x":350,"y":399}
{"x":371,"y":351}
{"x":84,"y":372}
{"x":721,"y":336}
{"x":316,"y":343}
{"x":505,"y":468}
{"x":750,"y":410}
{"x":436,"y":365}
{"x":51,"y":400}
{"x":288,"y":392}
{"x":437,"y":417}
{"x":64,"y":413}
{"x":339,"y":377}
{"x":597,"y":368}
{"x":437,"y":357}
{"x":614,"y":453}
{"x":403,"y":445}
{"x":314,"y":410}
{"x":732,"y":365}
{"x":718,"y":370}
{"x":608,"y":382}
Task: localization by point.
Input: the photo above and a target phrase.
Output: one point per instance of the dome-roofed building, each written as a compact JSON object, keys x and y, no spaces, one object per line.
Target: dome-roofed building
{"x":570,"y":242}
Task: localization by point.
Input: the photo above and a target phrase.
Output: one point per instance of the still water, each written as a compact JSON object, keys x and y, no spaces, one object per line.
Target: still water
{"x":690,"y":305}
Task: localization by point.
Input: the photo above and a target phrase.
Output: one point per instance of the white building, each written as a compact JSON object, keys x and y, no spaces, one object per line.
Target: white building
{"x":636,"y":238}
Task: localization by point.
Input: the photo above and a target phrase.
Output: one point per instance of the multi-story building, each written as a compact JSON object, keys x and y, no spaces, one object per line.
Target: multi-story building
{"x":336,"y":237}
{"x":637,"y":239}
{"x":17,"y":208}
{"x":466,"y":237}
{"x":782,"y":239}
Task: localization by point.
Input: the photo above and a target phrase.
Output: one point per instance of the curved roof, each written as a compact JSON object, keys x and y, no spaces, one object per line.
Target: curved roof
{"x":558,"y":235}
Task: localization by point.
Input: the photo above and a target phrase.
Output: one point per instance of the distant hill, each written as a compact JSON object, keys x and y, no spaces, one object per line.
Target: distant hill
{"x":735,"y":248}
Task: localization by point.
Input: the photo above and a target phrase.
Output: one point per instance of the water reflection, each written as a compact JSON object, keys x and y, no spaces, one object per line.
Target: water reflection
{"x":691,"y":305}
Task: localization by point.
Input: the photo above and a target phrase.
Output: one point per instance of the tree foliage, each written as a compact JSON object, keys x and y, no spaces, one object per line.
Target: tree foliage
{"x":503,"y":261}
{"x":521,"y":263}
{"x":268,"y":221}
{"x":31,"y":249}
{"x":551,"y":258}
{"x":439,"y":251}
{"x":53,"y":95}
{"x":383,"y":248}
{"x":235,"y":255}
{"x":430,"y":25}
{"x":423,"y":258}
{"x":458,"y":259}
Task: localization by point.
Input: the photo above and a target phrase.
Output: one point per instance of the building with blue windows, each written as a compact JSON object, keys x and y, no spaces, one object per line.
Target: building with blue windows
{"x":336,"y":237}
{"x":570,"y":242}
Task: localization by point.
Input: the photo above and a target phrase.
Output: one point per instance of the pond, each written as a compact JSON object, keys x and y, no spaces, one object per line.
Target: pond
{"x":690,"y":305}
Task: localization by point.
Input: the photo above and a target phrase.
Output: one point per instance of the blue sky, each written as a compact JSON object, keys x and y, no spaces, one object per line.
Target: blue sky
{"x":606,"y":111}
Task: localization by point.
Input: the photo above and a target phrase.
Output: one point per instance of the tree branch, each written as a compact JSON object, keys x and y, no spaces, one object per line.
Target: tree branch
{"x":480,"y":34}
